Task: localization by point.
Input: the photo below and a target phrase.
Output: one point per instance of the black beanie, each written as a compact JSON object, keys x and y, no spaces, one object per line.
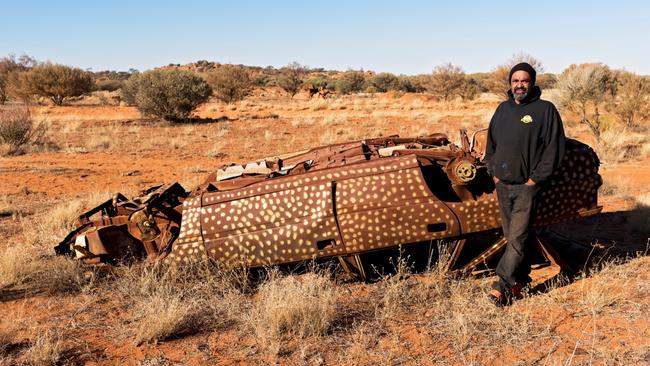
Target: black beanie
{"x":523,"y":66}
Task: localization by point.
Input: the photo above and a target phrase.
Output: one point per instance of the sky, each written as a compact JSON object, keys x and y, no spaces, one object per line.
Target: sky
{"x":400,"y":36}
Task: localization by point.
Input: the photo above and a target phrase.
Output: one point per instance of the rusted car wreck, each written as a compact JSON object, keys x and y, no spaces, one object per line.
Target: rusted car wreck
{"x":353,"y":201}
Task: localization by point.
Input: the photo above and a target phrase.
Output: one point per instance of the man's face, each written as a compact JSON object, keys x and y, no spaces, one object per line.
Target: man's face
{"x":520,"y":85}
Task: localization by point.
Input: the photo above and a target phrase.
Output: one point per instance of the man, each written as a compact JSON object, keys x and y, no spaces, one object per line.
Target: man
{"x":525,"y":145}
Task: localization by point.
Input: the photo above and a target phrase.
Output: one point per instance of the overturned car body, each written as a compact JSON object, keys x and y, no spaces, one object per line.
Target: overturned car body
{"x":353,"y":201}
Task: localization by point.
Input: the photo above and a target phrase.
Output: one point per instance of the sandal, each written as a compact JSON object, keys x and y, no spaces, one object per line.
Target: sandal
{"x":498,"y":298}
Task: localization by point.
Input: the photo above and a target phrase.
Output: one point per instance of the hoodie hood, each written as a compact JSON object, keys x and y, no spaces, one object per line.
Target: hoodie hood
{"x":534,"y":94}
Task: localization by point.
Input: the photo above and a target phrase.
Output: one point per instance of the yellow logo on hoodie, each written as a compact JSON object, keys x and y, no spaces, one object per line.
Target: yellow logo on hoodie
{"x":527,"y":119}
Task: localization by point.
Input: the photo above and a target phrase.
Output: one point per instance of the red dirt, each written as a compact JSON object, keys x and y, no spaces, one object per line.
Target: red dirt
{"x":34,"y":182}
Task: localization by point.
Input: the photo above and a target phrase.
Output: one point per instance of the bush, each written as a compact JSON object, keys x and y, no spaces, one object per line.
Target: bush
{"x":411,"y":84}
{"x":546,"y":81}
{"x":419,"y":83}
{"x":15,"y":126}
{"x":632,"y":102}
{"x":290,"y":78}
{"x":109,"y":85}
{"x":498,"y":82}
{"x":52,"y":81}
{"x":17,"y":129}
{"x":319,"y":82}
{"x":384,"y":82}
{"x":8,"y":66}
{"x":446,"y":81}
{"x":469,"y":89}
{"x":584,"y":89}
{"x":350,"y":82}
{"x":297,"y":306}
{"x":168,"y":94}
{"x":230,"y":83}
{"x":130,"y":88}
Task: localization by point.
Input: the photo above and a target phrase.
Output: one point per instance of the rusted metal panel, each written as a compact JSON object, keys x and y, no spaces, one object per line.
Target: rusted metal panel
{"x":338,"y":200}
{"x":390,"y":206}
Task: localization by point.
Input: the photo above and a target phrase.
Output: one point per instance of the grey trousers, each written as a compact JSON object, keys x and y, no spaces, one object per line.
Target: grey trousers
{"x":517,"y":205}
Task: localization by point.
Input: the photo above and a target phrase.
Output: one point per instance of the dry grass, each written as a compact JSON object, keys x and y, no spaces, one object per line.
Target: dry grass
{"x":301,"y":306}
{"x":17,"y":265}
{"x":216,"y":151}
{"x":164,"y":302}
{"x":617,"y":145}
{"x":318,"y":104}
{"x":158,"y":309}
{"x":616,"y":186}
{"x":161,"y":314}
{"x":299,"y":122}
{"x":45,"y":349}
{"x":7,"y":207}
{"x":20,"y":265}
{"x":640,"y":215}
{"x":394,"y":291}
{"x":48,"y":229}
{"x":99,"y":142}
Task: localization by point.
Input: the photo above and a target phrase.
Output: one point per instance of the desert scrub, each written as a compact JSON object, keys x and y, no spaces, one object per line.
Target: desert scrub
{"x":640,"y":215}
{"x":48,"y":229}
{"x":16,"y":266}
{"x":168,"y":302}
{"x":293,"y":305}
{"x":18,"y":130}
{"x":45,"y":349}
{"x":26,"y":265}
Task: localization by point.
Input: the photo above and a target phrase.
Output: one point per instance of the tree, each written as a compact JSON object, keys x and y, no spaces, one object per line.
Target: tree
{"x":350,"y":82}
{"x":498,"y":82}
{"x":469,"y":89}
{"x":55,"y":82}
{"x":446,"y":81}
{"x":52,"y":81}
{"x":8,"y":66}
{"x":384,"y":81}
{"x":167,"y":93}
{"x":632,"y":102}
{"x":230,"y":83}
{"x":290,"y":79}
{"x":583,"y":90}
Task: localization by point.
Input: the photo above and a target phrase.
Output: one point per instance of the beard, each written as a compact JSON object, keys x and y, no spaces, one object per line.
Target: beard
{"x":520,"y":94}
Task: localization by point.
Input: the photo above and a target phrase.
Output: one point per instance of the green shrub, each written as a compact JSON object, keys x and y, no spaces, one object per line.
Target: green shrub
{"x":290,"y":78}
{"x":319,"y":82}
{"x":469,"y":89}
{"x":130,"y":88}
{"x":15,"y":126}
{"x":584,"y":90}
{"x":230,"y":83}
{"x":350,"y":82}
{"x":416,"y":83}
{"x":446,"y":81}
{"x":169,"y":94}
{"x":384,"y":82}
{"x":632,"y":101}
{"x":52,"y":81}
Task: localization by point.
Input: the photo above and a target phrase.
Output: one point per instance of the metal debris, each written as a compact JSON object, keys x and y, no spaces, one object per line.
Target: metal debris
{"x":355,"y":201}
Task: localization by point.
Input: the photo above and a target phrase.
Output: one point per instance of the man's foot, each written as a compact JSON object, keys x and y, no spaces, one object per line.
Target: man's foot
{"x":505,"y":298}
{"x":498,"y":298}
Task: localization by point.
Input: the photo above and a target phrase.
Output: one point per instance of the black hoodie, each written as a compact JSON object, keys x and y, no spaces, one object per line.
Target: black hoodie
{"x":525,"y":140}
